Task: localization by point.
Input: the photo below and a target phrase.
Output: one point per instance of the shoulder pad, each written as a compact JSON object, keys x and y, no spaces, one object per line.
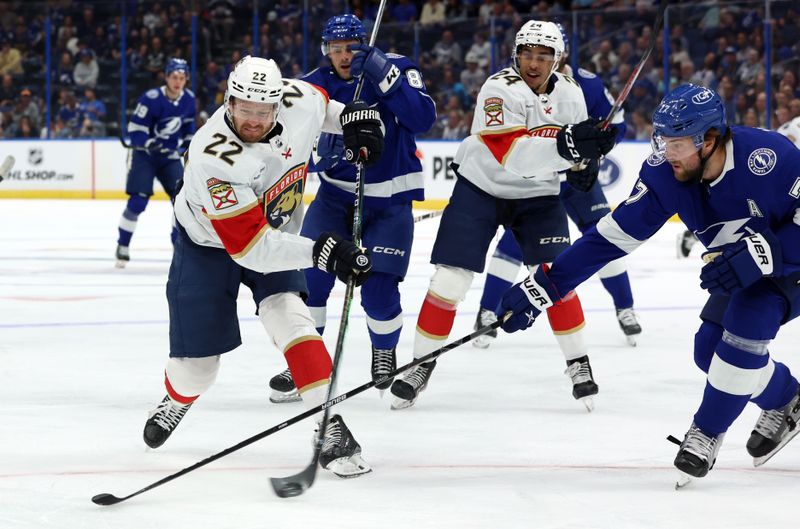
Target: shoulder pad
{"x":191,"y":94}
{"x":153,"y":93}
{"x":586,"y":73}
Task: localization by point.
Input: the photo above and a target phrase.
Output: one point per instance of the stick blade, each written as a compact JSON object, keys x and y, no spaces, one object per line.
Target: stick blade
{"x":105,"y":499}
{"x":295,"y":485}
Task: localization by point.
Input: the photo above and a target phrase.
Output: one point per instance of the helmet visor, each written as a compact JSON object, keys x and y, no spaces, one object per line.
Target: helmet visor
{"x":252,"y":111}
{"x":675,"y":148}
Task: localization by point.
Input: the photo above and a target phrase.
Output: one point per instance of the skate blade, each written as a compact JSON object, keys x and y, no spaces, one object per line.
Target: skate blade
{"x":588,"y":402}
{"x":120,"y":263}
{"x":481,"y":344}
{"x":631,"y":340}
{"x":349,"y":467}
{"x":758,"y":461}
{"x":401,"y":404}
{"x":278,"y":397}
{"x":683,"y":480}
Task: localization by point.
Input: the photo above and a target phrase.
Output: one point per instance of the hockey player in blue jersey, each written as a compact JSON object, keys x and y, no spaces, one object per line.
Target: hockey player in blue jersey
{"x":586,"y":204}
{"x":161,"y":126}
{"x":738,"y":190}
{"x":394,"y":84}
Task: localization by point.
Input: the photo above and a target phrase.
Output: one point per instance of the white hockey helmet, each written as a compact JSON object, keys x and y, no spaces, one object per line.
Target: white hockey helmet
{"x":255,"y":79}
{"x":539,"y":33}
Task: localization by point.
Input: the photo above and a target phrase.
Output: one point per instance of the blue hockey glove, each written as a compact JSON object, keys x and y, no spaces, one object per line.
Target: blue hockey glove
{"x":743,"y":263}
{"x":155,"y":146}
{"x":374,"y":64}
{"x":328,"y":151}
{"x":527,"y":300}
{"x":583,"y":179}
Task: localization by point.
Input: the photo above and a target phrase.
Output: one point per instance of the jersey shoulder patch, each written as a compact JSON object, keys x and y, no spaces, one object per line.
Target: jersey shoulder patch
{"x":153,"y":93}
{"x":586,"y":73}
{"x":655,"y":159}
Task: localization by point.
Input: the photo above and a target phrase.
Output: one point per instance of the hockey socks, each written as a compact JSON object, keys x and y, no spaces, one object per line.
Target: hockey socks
{"x":566,"y":320}
{"x":434,"y":324}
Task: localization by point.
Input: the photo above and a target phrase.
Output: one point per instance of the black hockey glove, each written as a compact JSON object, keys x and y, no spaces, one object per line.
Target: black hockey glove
{"x":337,"y":256}
{"x":583,"y":179}
{"x":578,"y":141}
{"x":363,"y":137}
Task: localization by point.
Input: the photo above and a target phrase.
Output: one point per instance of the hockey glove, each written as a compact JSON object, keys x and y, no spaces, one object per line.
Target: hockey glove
{"x":527,"y":300}
{"x":337,"y":256}
{"x":578,"y":141}
{"x":363,"y":137}
{"x":583,"y":179}
{"x":155,"y":146}
{"x":328,"y":151}
{"x":743,"y":263}
{"x":373,"y":63}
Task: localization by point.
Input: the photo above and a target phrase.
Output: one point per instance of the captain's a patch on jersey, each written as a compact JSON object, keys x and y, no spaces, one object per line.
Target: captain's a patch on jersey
{"x":222,"y":194}
{"x":493,"y":110}
{"x":283,"y":198}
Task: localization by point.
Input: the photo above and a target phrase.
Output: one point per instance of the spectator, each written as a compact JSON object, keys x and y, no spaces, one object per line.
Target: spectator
{"x":156,"y":57}
{"x":750,"y":69}
{"x":456,"y":11}
{"x":482,"y":50}
{"x":619,"y":79}
{"x":447,"y":52}
{"x":26,"y":108}
{"x":455,"y":128}
{"x":605,"y":52}
{"x":7,"y":90}
{"x":64,"y":70}
{"x":707,"y":75}
{"x":794,"y":108}
{"x":472,"y":77}
{"x":91,"y":107}
{"x":91,"y":129}
{"x":10,"y":58}
{"x":26,"y":129}
{"x":69,"y":113}
{"x":86,"y":71}
{"x":642,"y":125}
{"x":432,"y":13}
{"x":751,"y":118}
{"x":782,"y":115}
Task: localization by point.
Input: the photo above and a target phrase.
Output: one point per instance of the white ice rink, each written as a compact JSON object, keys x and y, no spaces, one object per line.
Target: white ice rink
{"x":496,"y":441}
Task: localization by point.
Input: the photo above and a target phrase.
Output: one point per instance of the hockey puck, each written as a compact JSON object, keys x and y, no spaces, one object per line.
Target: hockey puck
{"x":289,"y":490}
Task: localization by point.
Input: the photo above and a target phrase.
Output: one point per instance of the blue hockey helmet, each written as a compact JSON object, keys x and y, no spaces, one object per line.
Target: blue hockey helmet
{"x":342,"y":27}
{"x":688,"y":110}
{"x":565,"y":38}
{"x":176,"y":65}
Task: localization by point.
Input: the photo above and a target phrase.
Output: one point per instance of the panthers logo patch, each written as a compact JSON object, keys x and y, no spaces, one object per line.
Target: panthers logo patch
{"x":493,"y":109}
{"x":283,"y":198}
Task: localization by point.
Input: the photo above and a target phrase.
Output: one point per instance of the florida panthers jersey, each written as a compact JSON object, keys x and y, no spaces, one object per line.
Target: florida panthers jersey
{"x":759,"y":189}
{"x":158,"y":117}
{"x":248,"y":197}
{"x":791,"y":129}
{"x":511,"y":152}
{"x":408,"y":110}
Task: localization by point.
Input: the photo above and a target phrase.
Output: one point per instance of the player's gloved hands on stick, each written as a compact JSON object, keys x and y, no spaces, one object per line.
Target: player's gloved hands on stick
{"x":372,"y":63}
{"x":329,"y":149}
{"x":363,"y":137}
{"x":527,"y":300}
{"x":335,"y":255}
{"x":743,"y":263}
{"x":155,"y":146}
{"x":578,"y":141}
{"x":583,"y":179}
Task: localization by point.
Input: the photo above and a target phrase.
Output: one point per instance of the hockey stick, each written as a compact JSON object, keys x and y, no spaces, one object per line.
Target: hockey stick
{"x":8,"y":164}
{"x":296,"y":484}
{"x":109,"y":499}
{"x":429,"y":215}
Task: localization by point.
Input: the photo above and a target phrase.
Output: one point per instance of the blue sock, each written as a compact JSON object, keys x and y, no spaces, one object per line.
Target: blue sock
{"x":619,"y":286}
{"x":781,"y":388}
{"x":493,"y":291}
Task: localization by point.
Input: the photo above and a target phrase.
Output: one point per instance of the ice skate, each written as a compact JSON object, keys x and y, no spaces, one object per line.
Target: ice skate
{"x":697,"y":453}
{"x":384,"y":361}
{"x":629,"y":324}
{"x":684,"y":243}
{"x":163,"y":421}
{"x":773,"y":430}
{"x":414,"y":382}
{"x":583,"y":385}
{"x":341,"y":453}
{"x":123,"y":255}
{"x":283,"y":388}
{"x":485,"y":317}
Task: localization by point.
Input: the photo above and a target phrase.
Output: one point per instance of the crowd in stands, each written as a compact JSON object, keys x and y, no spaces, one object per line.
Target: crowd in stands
{"x":456,"y":43}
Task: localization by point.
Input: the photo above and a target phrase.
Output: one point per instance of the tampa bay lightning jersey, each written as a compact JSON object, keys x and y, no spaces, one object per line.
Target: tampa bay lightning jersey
{"x":409,"y":110}
{"x":759,"y":189}
{"x":171,"y":122}
{"x":598,"y":100}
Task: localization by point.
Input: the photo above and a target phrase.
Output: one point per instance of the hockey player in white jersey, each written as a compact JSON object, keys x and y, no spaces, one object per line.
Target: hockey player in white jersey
{"x":238,"y":215}
{"x":530,"y":123}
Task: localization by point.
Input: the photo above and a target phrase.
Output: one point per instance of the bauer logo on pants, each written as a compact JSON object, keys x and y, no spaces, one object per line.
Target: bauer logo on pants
{"x":222,"y":194}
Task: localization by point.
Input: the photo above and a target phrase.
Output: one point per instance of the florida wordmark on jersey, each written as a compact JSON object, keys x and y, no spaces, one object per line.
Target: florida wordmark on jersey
{"x":406,"y":111}
{"x":248,"y":197}
{"x":157,"y":117}
{"x":759,"y":189}
{"x":511,"y":152}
